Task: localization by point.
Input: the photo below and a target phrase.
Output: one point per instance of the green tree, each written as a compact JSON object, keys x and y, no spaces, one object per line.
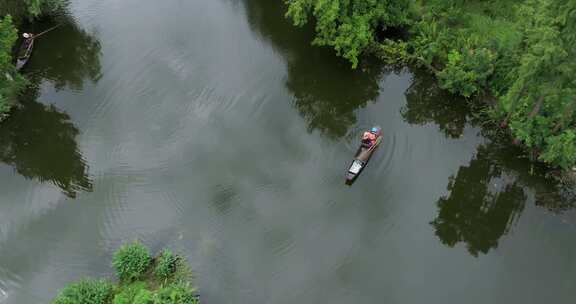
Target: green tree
{"x":349,"y":26}
{"x":467,"y":71}
{"x":539,"y":106}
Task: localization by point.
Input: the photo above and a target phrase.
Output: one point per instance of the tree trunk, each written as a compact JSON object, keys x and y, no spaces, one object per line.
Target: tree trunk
{"x":504,"y":123}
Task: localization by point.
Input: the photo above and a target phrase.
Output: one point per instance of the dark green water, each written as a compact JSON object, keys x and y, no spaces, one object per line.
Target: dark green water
{"x":214,"y":128}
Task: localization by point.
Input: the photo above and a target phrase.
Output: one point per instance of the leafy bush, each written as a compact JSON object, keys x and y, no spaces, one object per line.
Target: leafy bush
{"x":85,"y":292}
{"x":165,"y":264}
{"x":131,"y":261}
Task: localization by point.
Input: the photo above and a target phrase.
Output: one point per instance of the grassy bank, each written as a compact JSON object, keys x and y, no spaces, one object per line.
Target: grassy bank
{"x":519,"y":53}
{"x":164,"y":279}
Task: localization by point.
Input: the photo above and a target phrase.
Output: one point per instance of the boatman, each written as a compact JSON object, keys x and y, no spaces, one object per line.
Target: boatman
{"x":27,"y":38}
{"x":369,"y":137}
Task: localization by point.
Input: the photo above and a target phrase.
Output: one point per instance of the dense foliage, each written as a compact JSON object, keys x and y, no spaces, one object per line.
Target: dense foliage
{"x":349,"y":25}
{"x":39,"y":7}
{"x":521,"y":52}
{"x":131,"y":261}
{"x":168,"y":287}
{"x":10,"y":82}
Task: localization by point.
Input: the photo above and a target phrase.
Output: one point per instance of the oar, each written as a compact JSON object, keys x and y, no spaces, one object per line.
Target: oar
{"x":46,"y":31}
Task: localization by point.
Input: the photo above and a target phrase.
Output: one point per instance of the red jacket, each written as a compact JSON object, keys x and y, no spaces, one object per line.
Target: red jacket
{"x":369,"y":136}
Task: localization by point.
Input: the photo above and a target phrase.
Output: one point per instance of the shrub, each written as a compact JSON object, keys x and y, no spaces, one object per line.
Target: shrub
{"x":85,"y":292}
{"x":165,"y":264}
{"x":131,"y":261}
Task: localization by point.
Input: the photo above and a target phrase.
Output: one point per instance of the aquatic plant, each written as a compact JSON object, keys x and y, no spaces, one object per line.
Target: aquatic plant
{"x":85,"y":292}
{"x":131,"y":261}
{"x":165,"y":264}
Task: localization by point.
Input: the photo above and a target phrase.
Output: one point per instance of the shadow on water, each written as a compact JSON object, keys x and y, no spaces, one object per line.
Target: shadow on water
{"x":67,"y":56}
{"x":488,"y":195}
{"x":427,"y":103}
{"x":326,"y":91}
{"x":482,"y":205}
{"x":39,"y":141}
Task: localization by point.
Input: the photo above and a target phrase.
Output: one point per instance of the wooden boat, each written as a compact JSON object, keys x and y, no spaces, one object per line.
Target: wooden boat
{"x":361,"y":159}
{"x":24,"y":54}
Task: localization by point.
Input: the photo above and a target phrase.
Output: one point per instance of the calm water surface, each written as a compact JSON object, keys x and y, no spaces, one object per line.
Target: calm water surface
{"x":214,"y":128}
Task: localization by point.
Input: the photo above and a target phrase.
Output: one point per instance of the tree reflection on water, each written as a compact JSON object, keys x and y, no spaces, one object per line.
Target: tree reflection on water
{"x":427,"y":103}
{"x":488,"y":195}
{"x":326,"y":91}
{"x":66,"y":57}
{"x":481,"y":207}
{"x":40,"y":143}
{"x":38,"y":140}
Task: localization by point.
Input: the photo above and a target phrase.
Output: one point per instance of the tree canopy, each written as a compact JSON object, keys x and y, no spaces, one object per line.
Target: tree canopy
{"x":349,"y":26}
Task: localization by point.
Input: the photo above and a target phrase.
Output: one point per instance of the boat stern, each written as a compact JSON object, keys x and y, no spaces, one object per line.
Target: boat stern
{"x":354,"y":170}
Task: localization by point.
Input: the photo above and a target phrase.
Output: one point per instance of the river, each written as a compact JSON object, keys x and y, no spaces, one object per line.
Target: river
{"x":214,"y":128}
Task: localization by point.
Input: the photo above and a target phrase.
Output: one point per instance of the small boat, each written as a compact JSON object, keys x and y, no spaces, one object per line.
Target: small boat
{"x":24,"y":54}
{"x":362,"y":157}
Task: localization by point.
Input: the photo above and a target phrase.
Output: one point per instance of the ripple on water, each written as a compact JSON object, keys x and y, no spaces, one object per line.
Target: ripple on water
{"x":386,"y":153}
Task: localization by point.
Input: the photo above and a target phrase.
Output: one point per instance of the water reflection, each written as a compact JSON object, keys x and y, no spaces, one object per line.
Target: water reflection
{"x":488,"y":194}
{"x":67,"y":56}
{"x":427,"y":103}
{"x":38,"y":140}
{"x":482,"y":204}
{"x":326,"y":92}
{"x":40,"y":143}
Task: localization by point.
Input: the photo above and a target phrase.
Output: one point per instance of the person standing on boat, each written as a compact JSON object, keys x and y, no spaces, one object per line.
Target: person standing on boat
{"x":28,"y":37}
{"x":369,"y":137}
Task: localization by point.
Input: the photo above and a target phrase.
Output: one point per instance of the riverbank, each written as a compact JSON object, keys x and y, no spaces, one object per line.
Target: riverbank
{"x":518,"y":52}
{"x":164,"y":279}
